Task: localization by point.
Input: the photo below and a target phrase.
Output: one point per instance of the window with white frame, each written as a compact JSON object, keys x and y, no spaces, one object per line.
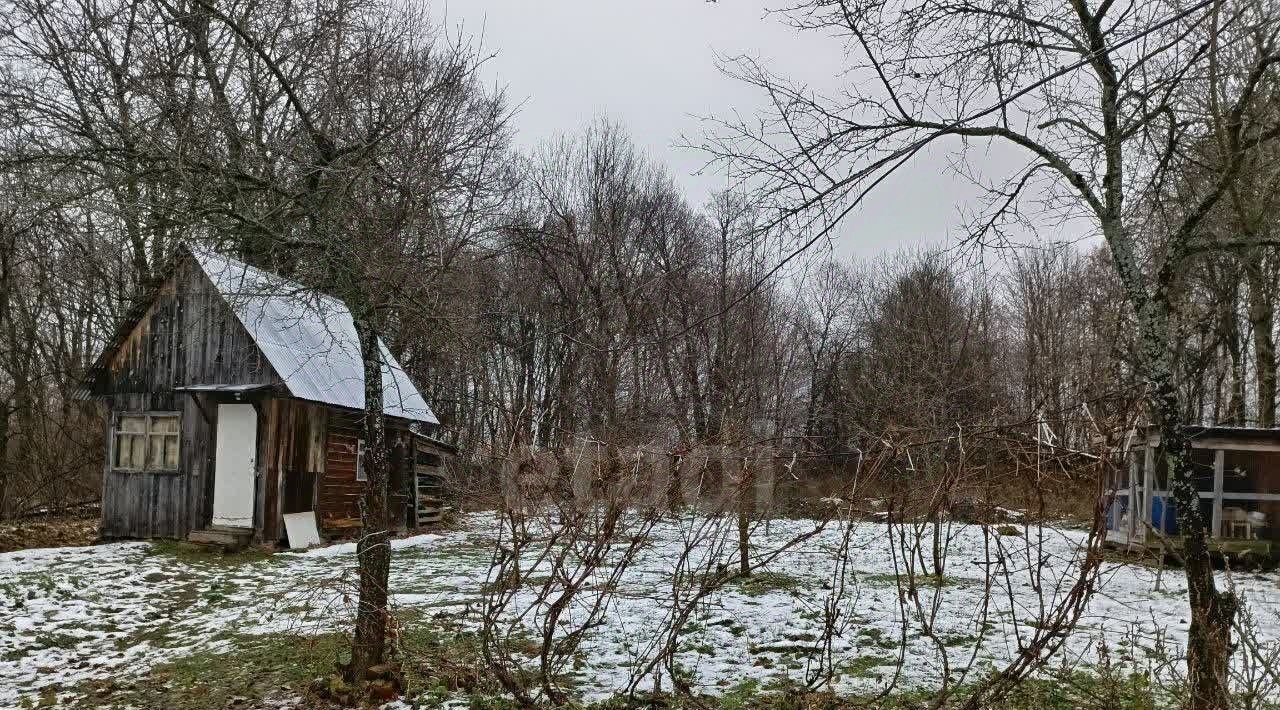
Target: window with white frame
{"x":361,"y":474}
{"x":146,"y":442}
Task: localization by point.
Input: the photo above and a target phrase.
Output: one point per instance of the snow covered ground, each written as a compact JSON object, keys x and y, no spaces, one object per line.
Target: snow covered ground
{"x":72,"y":614}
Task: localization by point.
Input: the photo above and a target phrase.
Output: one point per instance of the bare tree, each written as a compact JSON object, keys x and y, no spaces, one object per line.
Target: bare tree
{"x":1103,"y":100}
{"x":347,"y":144}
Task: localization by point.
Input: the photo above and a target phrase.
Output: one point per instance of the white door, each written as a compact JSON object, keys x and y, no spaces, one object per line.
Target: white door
{"x":233,"y":465}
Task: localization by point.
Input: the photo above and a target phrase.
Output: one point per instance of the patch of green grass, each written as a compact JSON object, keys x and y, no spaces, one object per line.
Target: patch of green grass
{"x":876,"y":637}
{"x":160,"y":636}
{"x":440,"y":663}
{"x":1077,"y":691}
{"x":959,"y":640}
{"x":255,"y":667}
{"x":764,"y":582}
{"x":922,"y":581}
{"x":202,"y":556}
{"x":1113,"y":691}
{"x":438,"y":659}
{"x":28,"y":585}
{"x":865,"y":666}
{"x":732,"y":626}
{"x":785,"y":649}
{"x":468,"y":552}
{"x":55,"y":639}
{"x":738,"y":696}
{"x":702,"y":647}
{"x":248,"y":669}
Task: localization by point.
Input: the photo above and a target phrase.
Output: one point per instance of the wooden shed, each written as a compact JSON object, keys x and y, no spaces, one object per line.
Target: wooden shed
{"x":233,"y":398}
{"x":1237,"y":473}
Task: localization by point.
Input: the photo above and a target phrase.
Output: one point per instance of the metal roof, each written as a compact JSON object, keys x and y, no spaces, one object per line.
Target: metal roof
{"x":1197,"y":431}
{"x":309,"y":339}
{"x":234,"y":389}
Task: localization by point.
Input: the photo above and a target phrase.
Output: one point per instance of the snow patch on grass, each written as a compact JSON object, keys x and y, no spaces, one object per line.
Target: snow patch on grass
{"x":78,"y":614}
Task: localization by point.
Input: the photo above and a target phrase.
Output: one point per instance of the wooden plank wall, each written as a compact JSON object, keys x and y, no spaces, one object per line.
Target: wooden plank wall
{"x":293,"y":436}
{"x":338,"y":491}
{"x":161,"y":504}
{"x":400,"y":483}
{"x":188,"y":335}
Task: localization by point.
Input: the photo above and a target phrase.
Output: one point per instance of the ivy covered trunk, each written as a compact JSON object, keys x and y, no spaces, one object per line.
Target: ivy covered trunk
{"x":1213,"y":610}
{"x":373,"y":551}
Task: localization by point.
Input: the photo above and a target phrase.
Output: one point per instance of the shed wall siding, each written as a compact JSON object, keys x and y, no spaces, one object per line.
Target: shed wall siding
{"x":338,"y":492}
{"x":293,"y":435}
{"x":161,"y":504}
{"x":187,"y":336}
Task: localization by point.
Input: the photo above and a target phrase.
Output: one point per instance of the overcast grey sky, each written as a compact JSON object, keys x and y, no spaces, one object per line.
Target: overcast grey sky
{"x":651,"y":66}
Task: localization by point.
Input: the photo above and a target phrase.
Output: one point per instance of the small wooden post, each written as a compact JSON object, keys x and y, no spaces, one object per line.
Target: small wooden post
{"x":1219,"y":461}
{"x":1134,"y":503}
{"x":1148,"y":485}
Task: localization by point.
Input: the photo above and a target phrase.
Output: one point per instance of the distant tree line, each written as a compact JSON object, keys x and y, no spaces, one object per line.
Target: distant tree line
{"x":538,"y":298}
{"x":574,"y":293}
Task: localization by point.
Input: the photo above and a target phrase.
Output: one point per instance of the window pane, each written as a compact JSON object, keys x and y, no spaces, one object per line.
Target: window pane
{"x":139,"y":450}
{"x":163,"y":453}
{"x":129,"y":449}
{"x":171,"y":452}
{"x":133,"y":452}
{"x":121,"y":454}
{"x":155,"y":454}
{"x":162,"y":440}
{"x":132,"y":424}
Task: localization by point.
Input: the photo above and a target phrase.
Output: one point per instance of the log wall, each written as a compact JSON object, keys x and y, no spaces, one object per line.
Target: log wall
{"x":338,"y":491}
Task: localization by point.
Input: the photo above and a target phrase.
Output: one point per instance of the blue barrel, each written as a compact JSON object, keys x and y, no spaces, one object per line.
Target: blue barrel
{"x":1164,"y":515}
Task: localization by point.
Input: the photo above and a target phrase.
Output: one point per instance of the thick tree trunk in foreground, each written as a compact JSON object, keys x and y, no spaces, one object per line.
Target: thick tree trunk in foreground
{"x":746,"y":492}
{"x":1213,"y":611}
{"x":373,"y":551}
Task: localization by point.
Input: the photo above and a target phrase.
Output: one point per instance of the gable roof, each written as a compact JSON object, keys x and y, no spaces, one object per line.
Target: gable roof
{"x":309,"y":339}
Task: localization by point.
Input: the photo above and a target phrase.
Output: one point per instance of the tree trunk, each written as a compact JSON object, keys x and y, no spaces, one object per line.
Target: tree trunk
{"x":1262,"y":320}
{"x":373,"y":551}
{"x":675,"y":489}
{"x":1213,"y":611}
{"x":1228,"y":312}
{"x":5,"y":467}
{"x":1235,"y":401}
{"x":746,"y":488}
